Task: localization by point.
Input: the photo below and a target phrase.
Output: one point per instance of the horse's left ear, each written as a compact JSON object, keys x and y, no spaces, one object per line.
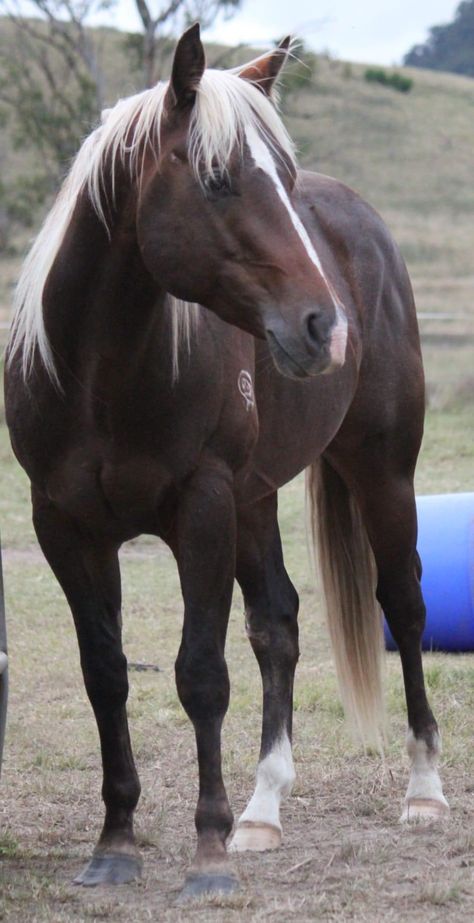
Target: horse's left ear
{"x":189,"y":63}
{"x":264,"y":71}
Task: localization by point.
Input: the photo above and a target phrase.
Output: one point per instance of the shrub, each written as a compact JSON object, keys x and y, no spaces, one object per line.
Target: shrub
{"x":395,"y":80}
{"x":19,"y":201}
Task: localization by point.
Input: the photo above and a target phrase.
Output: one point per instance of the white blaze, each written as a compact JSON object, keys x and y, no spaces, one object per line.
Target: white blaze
{"x":263,"y":159}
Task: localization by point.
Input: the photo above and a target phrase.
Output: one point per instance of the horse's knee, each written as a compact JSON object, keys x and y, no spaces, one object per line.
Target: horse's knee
{"x":202,"y":681}
{"x":106,"y":679}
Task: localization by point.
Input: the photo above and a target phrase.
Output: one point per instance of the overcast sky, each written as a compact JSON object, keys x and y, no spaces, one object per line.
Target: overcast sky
{"x":356,"y":30}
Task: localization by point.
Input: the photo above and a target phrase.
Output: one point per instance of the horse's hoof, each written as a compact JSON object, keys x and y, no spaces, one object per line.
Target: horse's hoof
{"x":252,"y":835}
{"x":202,"y":884}
{"x":110,"y":869}
{"x":424,"y":809}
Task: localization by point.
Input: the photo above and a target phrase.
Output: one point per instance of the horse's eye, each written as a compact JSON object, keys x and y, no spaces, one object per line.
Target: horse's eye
{"x":217,"y":183}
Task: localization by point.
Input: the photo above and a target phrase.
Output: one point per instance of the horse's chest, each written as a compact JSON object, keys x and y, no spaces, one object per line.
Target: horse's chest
{"x":135,"y":490}
{"x":114,"y":493}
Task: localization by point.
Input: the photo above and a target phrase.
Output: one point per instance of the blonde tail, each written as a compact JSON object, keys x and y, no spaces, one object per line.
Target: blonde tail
{"x":354,"y":618}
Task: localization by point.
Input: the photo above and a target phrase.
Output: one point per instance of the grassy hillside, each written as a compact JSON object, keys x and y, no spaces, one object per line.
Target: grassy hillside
{"x":410,"y":155}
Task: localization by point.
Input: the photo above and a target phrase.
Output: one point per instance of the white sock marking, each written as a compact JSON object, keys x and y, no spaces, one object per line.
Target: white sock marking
{"x":424,"y":777}
{"x":275,"y":777}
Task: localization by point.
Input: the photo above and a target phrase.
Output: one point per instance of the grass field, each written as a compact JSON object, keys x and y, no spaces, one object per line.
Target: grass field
{"x":344,"y":856}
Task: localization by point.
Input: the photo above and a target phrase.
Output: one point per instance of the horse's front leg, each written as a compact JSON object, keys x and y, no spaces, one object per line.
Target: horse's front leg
{"x":271,"y":609}
{"x":88,"y":572}
{"x":205,"y":548}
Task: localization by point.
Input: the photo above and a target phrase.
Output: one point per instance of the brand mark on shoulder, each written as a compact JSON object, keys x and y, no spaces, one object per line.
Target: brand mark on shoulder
{"x":246,"y":389}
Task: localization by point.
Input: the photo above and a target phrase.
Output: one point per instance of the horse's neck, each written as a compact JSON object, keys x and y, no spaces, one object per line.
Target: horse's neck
{"x":99,"y":300}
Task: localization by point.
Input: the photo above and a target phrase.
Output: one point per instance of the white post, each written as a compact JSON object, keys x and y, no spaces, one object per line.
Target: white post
{"x":3,"y":665}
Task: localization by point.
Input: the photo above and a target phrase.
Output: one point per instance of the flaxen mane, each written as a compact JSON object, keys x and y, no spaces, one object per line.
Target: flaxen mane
{"x":226,"y":105}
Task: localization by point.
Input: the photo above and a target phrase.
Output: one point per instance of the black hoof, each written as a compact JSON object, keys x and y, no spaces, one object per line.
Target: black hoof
{"x":200,"y":885}
{"x":110,"y":869}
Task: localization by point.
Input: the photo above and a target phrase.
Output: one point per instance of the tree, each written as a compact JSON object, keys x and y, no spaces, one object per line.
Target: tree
{"x":159,"y":18}
{"x":448,"y":47}
{"x":51,"y":82}
{"x":53,"y":86}
{"x":51,"y":78}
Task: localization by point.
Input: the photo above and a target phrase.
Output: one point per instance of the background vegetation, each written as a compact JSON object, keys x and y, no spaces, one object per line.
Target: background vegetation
{"x":449,"y":47}
{"x":56,"y":77}
{"x":395,"y":80}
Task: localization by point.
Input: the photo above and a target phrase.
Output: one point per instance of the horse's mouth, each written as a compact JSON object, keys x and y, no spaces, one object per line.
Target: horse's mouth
{"x":299,"y":368}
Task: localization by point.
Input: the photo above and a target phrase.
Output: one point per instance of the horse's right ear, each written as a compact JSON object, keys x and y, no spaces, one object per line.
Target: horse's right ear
{"x":189,"y":63}
{"x":264,"y":71}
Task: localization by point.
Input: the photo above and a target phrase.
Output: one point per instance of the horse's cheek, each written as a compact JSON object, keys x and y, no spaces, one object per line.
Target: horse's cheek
{"x":176,"y":247}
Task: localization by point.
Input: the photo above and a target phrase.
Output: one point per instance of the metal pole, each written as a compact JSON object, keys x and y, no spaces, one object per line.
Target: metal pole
{"x":3,"y":664}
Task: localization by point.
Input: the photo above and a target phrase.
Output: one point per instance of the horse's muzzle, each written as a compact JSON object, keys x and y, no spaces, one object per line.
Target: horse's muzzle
{"x":317,"y":347}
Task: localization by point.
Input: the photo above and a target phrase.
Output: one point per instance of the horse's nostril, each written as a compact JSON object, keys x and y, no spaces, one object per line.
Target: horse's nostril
{"x":313,"y":325}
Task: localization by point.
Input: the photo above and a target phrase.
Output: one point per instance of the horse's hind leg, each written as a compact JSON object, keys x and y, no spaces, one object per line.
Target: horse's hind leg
{"x":271,"y":608}
{"x":88,"y":572}
{"x":383,"y":485}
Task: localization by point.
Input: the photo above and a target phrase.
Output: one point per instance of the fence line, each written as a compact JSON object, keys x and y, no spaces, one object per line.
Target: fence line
{"x":421,"y":315}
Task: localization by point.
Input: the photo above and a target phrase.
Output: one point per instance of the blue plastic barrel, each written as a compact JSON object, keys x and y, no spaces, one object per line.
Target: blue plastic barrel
{"x":446,"y":548}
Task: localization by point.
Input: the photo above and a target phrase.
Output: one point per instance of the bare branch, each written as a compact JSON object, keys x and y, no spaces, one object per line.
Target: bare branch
{"x":50,"y":78}
{"x":168,"y":12}
{"x":144,"y":13}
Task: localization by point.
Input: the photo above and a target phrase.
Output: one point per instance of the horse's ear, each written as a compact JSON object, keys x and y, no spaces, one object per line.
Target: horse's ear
{"x":264,"y":71}
{"x":189,"y":63}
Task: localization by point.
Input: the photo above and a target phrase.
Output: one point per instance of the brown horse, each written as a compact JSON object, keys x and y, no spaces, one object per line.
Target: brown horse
{"x":184,"y":253}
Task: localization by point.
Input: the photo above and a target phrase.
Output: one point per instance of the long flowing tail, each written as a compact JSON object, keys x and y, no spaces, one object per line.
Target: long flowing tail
{"x":347,"y":568}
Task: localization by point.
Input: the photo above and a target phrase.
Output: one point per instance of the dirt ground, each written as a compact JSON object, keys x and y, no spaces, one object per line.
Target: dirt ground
{"x":344,"y":855}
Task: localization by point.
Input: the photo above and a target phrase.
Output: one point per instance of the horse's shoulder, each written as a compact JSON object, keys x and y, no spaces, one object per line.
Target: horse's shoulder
{"x":323,"y":192}
{"x":331,"y":206}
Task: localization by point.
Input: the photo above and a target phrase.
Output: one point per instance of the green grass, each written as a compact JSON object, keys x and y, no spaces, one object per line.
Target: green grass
{"x":8,"y":846}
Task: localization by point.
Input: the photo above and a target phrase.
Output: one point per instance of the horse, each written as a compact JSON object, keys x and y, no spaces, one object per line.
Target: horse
{"x":197,"y":322}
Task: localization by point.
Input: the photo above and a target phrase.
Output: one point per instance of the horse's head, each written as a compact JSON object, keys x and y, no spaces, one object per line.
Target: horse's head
{"x":217,"y":220}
